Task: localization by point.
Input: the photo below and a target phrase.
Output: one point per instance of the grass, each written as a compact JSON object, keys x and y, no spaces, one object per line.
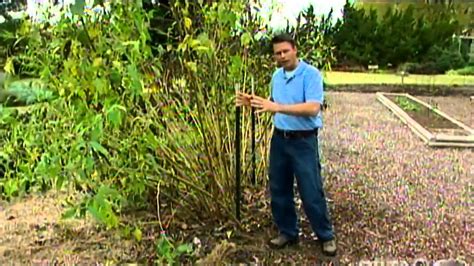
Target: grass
{"x":347,"y":78}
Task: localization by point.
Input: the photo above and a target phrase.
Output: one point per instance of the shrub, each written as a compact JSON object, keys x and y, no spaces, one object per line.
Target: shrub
{"x":437,"y":61}
{"x":466,"y":71}
{"x":444,"y":59}
{"x":124,"y":129}
{"x":354,"y":38}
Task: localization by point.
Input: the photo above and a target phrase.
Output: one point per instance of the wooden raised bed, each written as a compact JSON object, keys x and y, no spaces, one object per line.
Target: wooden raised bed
{"x":434,"y":127}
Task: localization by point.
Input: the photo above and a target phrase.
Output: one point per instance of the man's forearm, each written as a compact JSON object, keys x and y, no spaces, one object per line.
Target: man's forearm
{"x":301,"y":109}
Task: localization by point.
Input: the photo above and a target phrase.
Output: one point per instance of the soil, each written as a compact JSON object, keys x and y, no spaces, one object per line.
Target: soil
{"x":428,"y":118}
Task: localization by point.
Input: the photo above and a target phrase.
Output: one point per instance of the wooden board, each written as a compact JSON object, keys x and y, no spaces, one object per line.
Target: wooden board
{"x":450,"y":144}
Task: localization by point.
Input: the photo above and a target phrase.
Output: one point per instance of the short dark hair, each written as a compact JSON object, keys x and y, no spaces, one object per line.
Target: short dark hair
{"x":283,"y":37}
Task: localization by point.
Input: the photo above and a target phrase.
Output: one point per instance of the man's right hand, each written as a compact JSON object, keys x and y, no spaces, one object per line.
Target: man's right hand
{"x":242,"y":99}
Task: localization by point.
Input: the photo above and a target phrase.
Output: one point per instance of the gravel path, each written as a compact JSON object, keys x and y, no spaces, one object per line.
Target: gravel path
{"x":394,"y":196}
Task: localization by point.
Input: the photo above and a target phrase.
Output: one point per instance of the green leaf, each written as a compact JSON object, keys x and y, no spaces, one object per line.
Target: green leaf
{"x":96,"y":213}
{"x":235,"y":66}
{"x":59,"y":181}
{"x":163,"y":247}
{"x":105,"y":191}
{"x":4,"y":155}
{"x":152,"y":140}
{"x":97,"y":132}
{"x":10,"y":187}
{"x":195,"y":43}
{"x":137,"y":233}
{"x":135,"y":81}
{"x":246,"y":39}
{"x":99,"y":84}
{"x":99,"y":148}
{"x":192,"y":66}
{"x":188,"y":22}
{"x":89,"y":164}
{"x":78,"y":7}
{"x":115,"y":115}
{"x":184,"y":248}
{"x":126,"y":231}
{"x":70,"y":213}
{"x":115,"y":77}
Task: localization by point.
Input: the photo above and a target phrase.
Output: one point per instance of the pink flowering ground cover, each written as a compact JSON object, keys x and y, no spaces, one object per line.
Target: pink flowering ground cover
{"x":393,"y":195}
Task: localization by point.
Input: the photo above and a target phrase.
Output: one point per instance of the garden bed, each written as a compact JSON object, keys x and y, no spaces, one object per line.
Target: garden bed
{"x":435,"y":127}
{"x":460,"y":108}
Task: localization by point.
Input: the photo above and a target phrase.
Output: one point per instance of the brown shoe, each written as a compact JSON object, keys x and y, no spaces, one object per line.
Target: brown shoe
{"x":282,"y":241}
{"x":329,"y":248}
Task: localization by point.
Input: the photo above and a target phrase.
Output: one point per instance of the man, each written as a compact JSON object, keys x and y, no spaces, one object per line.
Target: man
{"x":296,"y":99}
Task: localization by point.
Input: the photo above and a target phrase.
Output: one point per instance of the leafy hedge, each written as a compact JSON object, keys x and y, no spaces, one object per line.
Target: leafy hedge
{"x":468,"y":70}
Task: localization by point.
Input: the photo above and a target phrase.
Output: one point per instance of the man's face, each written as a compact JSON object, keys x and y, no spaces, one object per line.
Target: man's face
{"x":285,"y":55}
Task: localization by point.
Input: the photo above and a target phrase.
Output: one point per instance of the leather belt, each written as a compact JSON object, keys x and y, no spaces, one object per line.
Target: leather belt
{"x":295,"y":134}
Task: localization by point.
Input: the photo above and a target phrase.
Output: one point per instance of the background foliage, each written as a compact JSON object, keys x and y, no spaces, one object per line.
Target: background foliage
{"x":413,"y":39}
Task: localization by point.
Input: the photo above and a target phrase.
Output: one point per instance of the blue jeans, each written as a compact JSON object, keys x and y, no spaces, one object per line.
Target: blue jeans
{"x":298,"y":157}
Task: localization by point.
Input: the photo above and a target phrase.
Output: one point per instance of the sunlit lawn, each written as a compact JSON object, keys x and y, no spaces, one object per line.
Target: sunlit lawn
{"x":339,"y":78}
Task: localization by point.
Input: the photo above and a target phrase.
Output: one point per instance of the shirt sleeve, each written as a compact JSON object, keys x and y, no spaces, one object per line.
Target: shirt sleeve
{"x":313,"y":87}
{"x":271,"y":85}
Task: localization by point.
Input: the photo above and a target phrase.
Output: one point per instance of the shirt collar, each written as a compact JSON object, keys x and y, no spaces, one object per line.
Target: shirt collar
{"x":299,"y":69}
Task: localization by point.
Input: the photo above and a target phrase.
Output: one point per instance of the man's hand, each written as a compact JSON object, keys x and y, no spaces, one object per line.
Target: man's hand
{"x":242,"y":99}
{"x":300,"y":109}
{"x":264,"y":105}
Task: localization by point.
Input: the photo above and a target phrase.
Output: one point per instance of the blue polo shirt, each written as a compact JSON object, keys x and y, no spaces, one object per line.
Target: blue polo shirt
{"x":304,"y":84}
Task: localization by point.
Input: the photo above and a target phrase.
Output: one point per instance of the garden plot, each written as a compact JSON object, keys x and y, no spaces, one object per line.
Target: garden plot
{"x":458,"y":107}
{"x":431,"y":124}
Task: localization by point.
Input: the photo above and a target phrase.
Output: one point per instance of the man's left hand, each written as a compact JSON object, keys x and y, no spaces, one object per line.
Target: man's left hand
{"x":264,"y":105}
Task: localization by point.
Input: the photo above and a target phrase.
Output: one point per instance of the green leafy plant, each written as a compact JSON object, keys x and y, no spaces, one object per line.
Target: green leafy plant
{"x":168,"y":252}
{"x":407,"y":104}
